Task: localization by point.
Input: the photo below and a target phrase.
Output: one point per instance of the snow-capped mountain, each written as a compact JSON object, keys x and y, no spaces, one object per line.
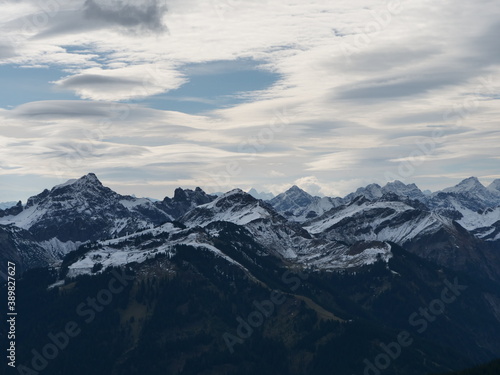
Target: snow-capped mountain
{"x":473,"y":194}
{"x":410,"y":191}
{"x":381,"y":219}
{"x":239,"y":222}
{"x":260,"y":195}
{"x":370,"y":192}
{"x":281,"y":237}
{"x":5,"y":205}
{"x":309,"y":231}
{"x":375,"y":191}
{"x":184,"y":200}
{"x":237,"y":207}
{"x":410,"y":224}
{"x":12,"y":210}
{"x":469,"y":202}
{"x":84,"y":210}
{"x":200,"y":260}
{"x":298,"y":205}
{"x":495,"y":186}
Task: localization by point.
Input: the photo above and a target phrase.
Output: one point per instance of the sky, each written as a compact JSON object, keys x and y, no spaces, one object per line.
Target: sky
{"x":329,"y":95}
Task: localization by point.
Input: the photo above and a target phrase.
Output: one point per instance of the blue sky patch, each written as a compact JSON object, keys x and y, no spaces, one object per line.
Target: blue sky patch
{"x":214,"y":85}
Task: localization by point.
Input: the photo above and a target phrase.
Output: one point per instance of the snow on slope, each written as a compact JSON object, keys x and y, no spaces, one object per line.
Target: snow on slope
{"x":235,"y":206}
{"x":82,"y":210}
{"x":342,"y":213}
{"x":472,"y":219}
{"x":26,"y":218}
{"x":124,"y":250}
{"x":297,"y":205}
{"x":381,"y":221}
{"x":282,"y":238}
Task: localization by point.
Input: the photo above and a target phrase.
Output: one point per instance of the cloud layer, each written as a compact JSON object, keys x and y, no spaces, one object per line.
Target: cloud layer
{"x":367,"y":92}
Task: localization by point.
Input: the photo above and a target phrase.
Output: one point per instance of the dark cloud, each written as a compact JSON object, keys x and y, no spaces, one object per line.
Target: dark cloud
{"x":61,"y":108}
{"x":94,"y":81}
{"x":135,"y":17}
{"x":145,"y":15}
{"x":75,"y":109}
{"x":68,"y":23}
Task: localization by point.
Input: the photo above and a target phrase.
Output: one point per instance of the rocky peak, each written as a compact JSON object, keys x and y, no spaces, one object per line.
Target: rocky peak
{"x":495,"y":186}
{"x":468,"y":185}
{"x":11,"y":211}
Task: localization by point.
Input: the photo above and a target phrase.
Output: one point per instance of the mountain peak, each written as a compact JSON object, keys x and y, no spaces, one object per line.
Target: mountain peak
{"x":260,"y":195}
{"x":185,"y":199}
{"x":470,"y":181}
{"x":371,"y":191}
{"x":469,"y":184}
{"x":495,"y":185}
{"x":295,"y":188}
{"x":231,"y":196}
{"x":402,"y":190}
{"x":91,"y":177}
{"x":233,"y":192}
{"x":296,"y":191}
{"x":396,"y":183}
{"x":87,"y":180}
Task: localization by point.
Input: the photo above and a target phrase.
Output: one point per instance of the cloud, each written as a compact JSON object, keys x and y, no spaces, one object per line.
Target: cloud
{"x":338,"y":117}
{"x":130,"y":82}
{"x":144,"y":15}
{"x":6,"y":51}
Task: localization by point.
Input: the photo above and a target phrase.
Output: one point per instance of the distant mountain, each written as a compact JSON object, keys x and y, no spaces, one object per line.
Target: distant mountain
{"x":469,"y":202}
{"x":5,"y":205}
{"x":282,"y":238}
{"x":12,"y":210}
{"x":375,"y":191}
{"x":297,"y":205}
{"x":495,"y":186}
{"x":262,"y":195}
{"x":370,"y":192}
{"x":184,"y":200}
{"x":474,"y":194}
{"x":400,"y":189}
{"x":410,"y":224}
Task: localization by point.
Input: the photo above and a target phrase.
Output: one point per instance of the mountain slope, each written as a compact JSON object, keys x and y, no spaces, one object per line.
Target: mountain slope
{"x":411,"y":225}
{"x":469,"y":202}
{"x":84,"y":210}
{"x":375,"y":191}
{"x":18,"y":245}
{"x":281,"y":237}
{"x":297,"y":205}
{"x":182,"y":314}
{"x":349,"y":282}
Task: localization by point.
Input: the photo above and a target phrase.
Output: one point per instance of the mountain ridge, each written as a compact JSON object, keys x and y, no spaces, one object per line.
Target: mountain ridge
{"x":351,"y":275}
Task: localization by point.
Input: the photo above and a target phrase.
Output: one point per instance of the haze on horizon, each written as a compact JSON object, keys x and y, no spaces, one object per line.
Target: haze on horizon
{"x":152,"y":94}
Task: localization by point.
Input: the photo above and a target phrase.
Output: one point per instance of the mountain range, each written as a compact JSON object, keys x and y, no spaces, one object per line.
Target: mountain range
{"x":366,"y":263}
